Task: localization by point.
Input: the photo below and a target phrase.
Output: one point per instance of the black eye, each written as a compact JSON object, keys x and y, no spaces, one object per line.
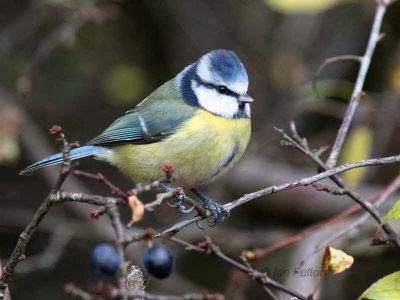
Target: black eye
{"x":222,"y":89}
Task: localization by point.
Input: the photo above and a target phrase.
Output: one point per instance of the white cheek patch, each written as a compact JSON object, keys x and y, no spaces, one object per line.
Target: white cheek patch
{"x":212,"y":101}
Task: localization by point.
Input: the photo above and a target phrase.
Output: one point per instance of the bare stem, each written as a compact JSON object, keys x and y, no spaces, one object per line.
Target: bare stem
{"x":19,"y":251}
{"x":115,"y":218}
{"x":256,"y":275}
{"x":357,"y":92}
{"x":384,"y":195}
{"x":285,"y":186}
{"x":302,"y":145}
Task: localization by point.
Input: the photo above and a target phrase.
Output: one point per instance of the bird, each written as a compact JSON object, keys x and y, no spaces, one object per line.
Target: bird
{"x":198,"y":122}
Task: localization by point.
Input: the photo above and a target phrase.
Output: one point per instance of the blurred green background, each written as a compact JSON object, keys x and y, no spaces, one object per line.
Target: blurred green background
{"x":81,"y":64}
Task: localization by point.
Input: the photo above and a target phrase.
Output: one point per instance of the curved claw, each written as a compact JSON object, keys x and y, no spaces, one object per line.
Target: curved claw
{"x":198,"y":225}
{"x":177,"y":204}
{"x":185,"y":211}
{"x":218,"y":213}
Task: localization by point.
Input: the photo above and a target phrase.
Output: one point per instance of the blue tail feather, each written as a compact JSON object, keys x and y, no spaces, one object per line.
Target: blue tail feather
{"x":57,"y":158}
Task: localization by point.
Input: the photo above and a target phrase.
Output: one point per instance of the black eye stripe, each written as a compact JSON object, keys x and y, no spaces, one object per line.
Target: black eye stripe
{"x":216,"y":87}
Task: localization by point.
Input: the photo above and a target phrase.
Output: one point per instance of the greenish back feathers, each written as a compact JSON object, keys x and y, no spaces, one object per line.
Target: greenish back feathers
{"x":154,"y":119}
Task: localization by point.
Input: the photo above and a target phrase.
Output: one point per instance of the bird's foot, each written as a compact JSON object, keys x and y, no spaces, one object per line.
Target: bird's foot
{"x":179,"y":196}
{"x":219,"y":212}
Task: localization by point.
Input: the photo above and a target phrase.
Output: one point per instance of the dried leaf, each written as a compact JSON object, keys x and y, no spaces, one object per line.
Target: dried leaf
{"x":386,"y":288}
{"x":137,"y":208}
{"x":336,"y":261}
{"x":394,"y":213}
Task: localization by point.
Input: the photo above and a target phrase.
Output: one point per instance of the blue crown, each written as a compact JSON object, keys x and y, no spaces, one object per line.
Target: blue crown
{"x":227,"y":65}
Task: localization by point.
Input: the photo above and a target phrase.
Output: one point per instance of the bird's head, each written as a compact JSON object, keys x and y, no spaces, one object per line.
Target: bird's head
{"x":218,"y":83}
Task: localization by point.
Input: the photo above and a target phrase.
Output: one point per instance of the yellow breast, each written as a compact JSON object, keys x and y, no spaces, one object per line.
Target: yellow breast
{"x":203,"y":148}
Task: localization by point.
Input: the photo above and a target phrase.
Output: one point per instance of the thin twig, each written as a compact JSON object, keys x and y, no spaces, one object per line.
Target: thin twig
{"x":258,"y":253}
{"x":61,"y":197}
{"x":100,"y":177}
{"x":329,"y":61}
{"x":115,"y":218}
{"x":285,"y":186}
{"x":147,"y":233}
{"x":357,"y":92}
{"x":302,"y":145}
{"x":384,"y":195}
{"x":25,"y":237}
{"x":253,"y":274}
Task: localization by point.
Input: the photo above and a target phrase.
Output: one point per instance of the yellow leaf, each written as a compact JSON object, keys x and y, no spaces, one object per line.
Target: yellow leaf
{"x":301,"y":6}
{"x":137,"y":208}
{"x":386,"y":288}
{"x":358,"y":146}
{"x":394,"y":213}
{"x":336,"y":261}
{"x":126,"y":84}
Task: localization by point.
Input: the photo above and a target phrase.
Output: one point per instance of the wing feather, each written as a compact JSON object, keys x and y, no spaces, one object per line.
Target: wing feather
{"x":153,"y":120}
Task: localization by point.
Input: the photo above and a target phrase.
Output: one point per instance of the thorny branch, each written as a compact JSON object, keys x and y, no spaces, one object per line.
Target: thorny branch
{"x":25,"y":237}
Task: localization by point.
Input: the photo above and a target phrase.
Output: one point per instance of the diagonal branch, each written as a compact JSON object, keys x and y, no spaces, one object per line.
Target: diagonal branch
{"x":385,"y":195}
{"x":25,"y":237}
{"x":256,"y":275}
{"x":285,"y":186}
{"x":374,"y":38}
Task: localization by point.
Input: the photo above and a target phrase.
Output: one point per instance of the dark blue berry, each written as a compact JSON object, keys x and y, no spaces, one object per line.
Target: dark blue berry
{"x":158,"y":261}
{"x":104,"y":261}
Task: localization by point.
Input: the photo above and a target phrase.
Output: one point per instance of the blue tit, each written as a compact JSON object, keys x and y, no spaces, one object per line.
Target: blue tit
{"x":198,"y":122}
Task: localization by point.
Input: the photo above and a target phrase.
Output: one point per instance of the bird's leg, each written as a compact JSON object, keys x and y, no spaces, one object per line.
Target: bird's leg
{"x":219,"y":212}
{"x":179,"y":197}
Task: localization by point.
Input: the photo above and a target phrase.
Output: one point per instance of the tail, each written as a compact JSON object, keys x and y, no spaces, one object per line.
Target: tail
{"x":58,"y":158}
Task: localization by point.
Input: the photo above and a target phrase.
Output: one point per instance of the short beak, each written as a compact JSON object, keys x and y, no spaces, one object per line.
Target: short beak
{"x":245,"y":98}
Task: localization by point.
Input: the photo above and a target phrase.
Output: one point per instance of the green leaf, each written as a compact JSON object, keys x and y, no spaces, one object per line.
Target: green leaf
{"x":386,"y":288}
{"x":394,"y":213}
